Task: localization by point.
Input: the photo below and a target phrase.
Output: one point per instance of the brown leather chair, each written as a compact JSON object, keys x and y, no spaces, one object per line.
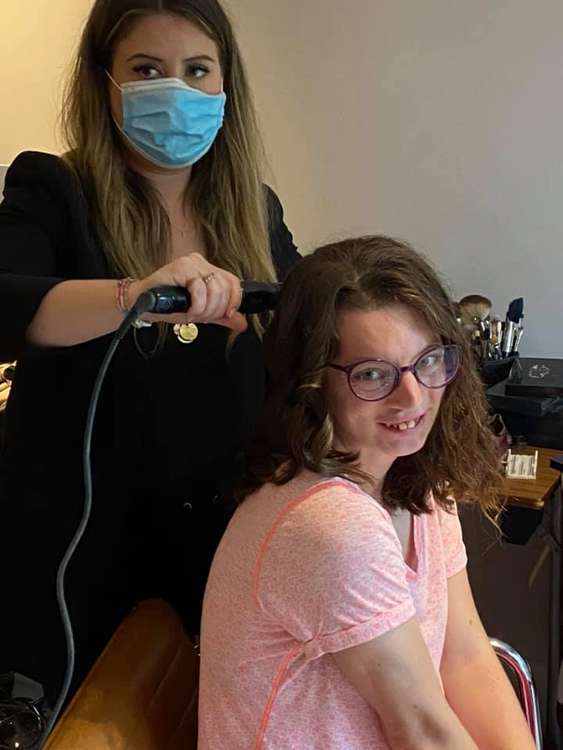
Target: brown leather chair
{"x":142,"y":692}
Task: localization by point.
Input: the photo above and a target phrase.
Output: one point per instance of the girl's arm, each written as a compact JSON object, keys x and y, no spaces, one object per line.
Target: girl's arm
{"x":395,"y":675}
{"x":476,"y":686}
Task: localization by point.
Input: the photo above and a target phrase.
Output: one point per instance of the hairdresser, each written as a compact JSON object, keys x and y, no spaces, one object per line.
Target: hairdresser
{"x":160,"y":185}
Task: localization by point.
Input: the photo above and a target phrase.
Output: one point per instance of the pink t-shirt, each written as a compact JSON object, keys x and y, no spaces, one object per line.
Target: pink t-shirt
{"x":303,"y":571}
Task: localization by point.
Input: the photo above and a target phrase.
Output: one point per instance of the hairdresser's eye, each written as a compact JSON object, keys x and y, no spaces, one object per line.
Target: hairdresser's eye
{"x":147,"y":71}
{"x":196,"y":71}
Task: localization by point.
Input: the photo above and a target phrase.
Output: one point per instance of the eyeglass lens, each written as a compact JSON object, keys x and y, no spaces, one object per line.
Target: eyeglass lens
{"x":433,"y":369}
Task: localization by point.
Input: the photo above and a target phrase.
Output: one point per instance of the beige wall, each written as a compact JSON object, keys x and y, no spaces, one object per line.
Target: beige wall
{"x":38,"y":38}
{"x":437,"y":121}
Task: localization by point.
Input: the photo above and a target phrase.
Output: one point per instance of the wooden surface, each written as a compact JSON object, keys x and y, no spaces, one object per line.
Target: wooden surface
{"x":533,"y":493}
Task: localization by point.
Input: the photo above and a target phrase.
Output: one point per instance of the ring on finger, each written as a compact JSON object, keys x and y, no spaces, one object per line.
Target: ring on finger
{"x":207,"y":279}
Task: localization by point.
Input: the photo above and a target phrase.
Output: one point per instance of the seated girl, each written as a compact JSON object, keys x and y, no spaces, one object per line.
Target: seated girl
{"x":338,"y":613}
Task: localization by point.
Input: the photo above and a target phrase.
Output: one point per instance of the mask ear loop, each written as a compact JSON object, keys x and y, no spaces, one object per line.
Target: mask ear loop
{"x":117,"y":125}
{"x":112,"y":79}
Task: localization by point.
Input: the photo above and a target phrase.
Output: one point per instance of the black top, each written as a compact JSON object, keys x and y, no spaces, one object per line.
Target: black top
{"x":178,"y":418}
{"x":167,"y":437}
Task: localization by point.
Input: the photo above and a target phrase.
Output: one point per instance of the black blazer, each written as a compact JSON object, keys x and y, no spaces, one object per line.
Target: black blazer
{"x":46,"y":235}
{"x":186,"y":411}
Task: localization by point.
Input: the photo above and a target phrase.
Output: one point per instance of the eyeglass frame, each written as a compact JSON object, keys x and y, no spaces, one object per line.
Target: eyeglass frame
{"x":348,"y":369}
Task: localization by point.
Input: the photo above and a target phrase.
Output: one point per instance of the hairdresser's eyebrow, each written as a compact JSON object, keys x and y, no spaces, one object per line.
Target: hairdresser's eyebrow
{"x":158,"y":59}
{"x":144,"y":56}
{"x":200,"y":57}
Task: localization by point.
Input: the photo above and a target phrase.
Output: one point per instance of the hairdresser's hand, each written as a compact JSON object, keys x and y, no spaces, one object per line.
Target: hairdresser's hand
{"x":216,"y":294}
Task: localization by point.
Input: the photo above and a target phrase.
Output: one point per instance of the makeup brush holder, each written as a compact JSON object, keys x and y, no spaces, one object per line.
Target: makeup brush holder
{"x":494,"y":370}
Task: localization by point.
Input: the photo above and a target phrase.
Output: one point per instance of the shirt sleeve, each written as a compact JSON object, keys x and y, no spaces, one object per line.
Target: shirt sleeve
{"x":452,"y":541}
{"x":29,"y":223}
{"x":332,"y":574}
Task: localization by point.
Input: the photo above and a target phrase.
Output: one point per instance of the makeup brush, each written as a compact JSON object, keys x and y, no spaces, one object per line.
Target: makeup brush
{"x":496,"y":337}
{"x":511,"y":327}
{"x":515,"y":310}
{"x":474,"y":308}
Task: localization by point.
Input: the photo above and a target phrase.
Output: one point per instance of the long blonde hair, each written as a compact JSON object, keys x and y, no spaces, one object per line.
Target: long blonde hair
{"x":226,"y":193}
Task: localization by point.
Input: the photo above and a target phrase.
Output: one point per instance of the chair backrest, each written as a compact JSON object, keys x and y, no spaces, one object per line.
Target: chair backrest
{"x":142,"y":692}
{"x":528,"y":694}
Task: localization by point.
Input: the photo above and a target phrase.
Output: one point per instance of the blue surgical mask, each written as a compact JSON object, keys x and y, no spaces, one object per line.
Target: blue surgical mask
{"x":168,"y":122}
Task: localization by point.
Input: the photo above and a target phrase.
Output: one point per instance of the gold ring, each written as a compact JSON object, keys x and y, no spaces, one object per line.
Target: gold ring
{"x":208,"y":278}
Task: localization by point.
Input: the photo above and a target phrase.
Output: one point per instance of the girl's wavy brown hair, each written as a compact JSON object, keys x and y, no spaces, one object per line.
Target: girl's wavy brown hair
{"x":296,"y":430}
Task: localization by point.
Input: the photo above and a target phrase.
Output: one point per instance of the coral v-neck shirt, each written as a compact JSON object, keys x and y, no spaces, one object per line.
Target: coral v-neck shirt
{"x":303,"y":571}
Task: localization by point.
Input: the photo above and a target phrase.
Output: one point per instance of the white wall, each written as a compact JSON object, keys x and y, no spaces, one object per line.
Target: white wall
{"x":439,"y":122}
{"x":38,"y":39}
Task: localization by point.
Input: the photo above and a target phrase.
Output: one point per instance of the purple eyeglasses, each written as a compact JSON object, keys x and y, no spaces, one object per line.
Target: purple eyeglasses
{"x":375,"y":379}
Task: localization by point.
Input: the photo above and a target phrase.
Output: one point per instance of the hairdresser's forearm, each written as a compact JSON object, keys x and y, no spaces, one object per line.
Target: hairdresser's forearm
{"x":73,"y":312}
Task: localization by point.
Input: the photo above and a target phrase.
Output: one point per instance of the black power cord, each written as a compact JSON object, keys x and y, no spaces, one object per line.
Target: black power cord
{"x":257,"y":297}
